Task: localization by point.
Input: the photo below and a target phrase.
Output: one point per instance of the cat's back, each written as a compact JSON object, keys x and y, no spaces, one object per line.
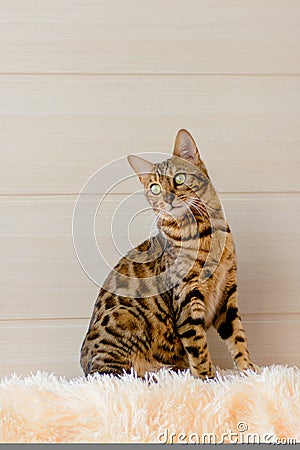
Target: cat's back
{"x":128,"y":315}
{"x":133,"y":276}
{"x":143,"y":261}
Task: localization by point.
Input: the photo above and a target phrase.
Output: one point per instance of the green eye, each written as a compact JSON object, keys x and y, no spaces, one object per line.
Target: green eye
{"x":155,"y":189}
{"x":179,"y":178}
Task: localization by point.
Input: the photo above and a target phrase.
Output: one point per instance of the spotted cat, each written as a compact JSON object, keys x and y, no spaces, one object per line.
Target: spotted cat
{"x":158,"y":302}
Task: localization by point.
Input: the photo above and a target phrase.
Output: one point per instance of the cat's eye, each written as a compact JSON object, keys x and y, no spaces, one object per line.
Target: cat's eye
{"x":179,"y":179}
{"x":155,"y":189}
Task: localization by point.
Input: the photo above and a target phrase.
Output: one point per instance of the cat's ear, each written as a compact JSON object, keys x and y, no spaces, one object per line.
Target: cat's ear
{"x":141,"y":166}
{"x":185,"y":147}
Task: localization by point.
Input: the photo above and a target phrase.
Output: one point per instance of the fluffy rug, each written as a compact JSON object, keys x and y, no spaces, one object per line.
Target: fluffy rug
{"x":167,"y":406}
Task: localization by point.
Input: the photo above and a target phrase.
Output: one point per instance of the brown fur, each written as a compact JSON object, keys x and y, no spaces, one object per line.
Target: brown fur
{"x":134,"y":327}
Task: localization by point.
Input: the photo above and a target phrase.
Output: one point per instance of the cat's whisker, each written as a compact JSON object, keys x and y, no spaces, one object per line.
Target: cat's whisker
{"x":199,"y":207}
{"x":200,"y":201}
{"x":197,"y":203}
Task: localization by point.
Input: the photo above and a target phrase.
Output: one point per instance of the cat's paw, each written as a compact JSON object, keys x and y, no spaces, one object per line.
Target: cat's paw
{"x":244,"y":366}
{"x":209,"y":375}
{"x":255,"y":368}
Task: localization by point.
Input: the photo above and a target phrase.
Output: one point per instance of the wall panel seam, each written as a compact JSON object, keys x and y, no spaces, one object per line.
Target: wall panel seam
{"x":150,"y":74}
{"x":113,"y":194}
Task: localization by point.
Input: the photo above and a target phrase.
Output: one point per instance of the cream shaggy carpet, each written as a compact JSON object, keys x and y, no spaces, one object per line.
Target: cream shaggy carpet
{"x":168,"y":407}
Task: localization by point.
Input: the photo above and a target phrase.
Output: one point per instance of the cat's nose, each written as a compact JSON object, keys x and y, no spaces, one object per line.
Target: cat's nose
{"x":169,"y":197}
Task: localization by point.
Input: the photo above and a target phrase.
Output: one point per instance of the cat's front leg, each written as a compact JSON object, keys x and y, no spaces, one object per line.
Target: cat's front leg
{"x":190,"y":326}
{"x":230,"y":328}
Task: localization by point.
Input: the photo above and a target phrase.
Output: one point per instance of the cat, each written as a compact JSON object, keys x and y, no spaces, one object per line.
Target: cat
{"x":157,"y":303}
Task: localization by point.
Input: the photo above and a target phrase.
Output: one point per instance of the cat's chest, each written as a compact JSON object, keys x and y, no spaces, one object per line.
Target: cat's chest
{"x":211,"y":288}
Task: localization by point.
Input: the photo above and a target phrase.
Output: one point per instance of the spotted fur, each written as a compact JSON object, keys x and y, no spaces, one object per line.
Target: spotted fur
{"x":131,"y":327}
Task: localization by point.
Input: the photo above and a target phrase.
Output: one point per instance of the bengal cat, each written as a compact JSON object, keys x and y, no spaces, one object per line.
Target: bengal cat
{"x":156,"y":305}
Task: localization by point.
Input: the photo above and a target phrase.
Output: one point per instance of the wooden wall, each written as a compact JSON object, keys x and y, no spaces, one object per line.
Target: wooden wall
{"x":83,"y":82}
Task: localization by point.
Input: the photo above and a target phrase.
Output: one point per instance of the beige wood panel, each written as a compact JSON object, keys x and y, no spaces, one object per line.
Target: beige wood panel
{"x":53,"y":345}
{"x":57,"y":131}
{"x":45,"y":345}
{"x":40,"y":276}
{"x":143,"y":36}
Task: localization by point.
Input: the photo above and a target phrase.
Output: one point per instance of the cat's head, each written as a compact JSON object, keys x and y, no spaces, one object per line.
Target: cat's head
{"x":176,"y":183}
